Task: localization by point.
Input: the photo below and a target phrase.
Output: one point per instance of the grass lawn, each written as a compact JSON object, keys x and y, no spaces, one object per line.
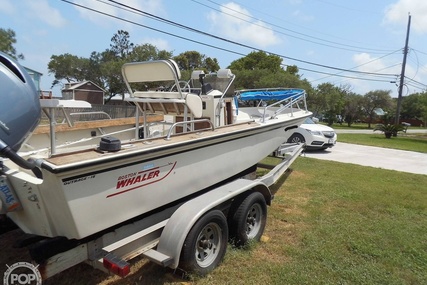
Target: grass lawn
{"x":364,"y":126}
{"x":412,"y":142}
{"x":355,"y":126}
{"x":334,"y":223}
{"x":330,"y":223}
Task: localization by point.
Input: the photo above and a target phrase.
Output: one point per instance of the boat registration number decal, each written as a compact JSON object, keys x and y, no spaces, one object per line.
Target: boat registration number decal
{"x":135,"y":180}
{"x":76,"y":180}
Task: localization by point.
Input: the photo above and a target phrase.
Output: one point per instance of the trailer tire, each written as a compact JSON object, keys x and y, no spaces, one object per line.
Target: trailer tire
{"x":248,"y":219}
{"x":205,"y":245}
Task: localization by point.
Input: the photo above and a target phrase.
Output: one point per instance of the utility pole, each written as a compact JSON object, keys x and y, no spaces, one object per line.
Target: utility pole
{"x":402,"y":73}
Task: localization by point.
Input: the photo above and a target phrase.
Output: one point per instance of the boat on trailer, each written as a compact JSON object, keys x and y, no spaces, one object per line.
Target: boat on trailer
{"x":98,"y":186}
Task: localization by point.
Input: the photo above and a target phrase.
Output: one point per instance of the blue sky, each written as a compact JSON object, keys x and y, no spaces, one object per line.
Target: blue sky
{"x":322,"y":37}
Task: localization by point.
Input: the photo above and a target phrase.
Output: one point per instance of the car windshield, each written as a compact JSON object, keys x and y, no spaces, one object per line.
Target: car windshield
{"x":309,"y":121}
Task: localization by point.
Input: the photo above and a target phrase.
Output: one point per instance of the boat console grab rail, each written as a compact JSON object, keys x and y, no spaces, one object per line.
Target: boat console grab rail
{"x":292,"y":100}
{"x":187,"y":122}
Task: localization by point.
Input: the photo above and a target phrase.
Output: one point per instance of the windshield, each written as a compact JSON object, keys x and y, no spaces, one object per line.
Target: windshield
{"x":309,"y":121}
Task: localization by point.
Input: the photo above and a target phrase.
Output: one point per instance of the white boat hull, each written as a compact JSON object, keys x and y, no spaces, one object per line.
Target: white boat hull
{"x":87,"y":192}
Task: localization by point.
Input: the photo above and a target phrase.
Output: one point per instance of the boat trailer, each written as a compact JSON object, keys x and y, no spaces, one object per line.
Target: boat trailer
{"x":161,"y":236}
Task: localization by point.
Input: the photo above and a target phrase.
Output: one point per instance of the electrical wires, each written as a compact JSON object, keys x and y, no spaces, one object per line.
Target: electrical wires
{"x":339,"y":72}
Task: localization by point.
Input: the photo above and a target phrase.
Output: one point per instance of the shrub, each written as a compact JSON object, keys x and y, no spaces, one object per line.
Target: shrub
{"x":388,"y":130}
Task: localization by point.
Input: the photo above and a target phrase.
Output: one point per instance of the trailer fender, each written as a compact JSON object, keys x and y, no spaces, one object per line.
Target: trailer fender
{"x":183,"y":219}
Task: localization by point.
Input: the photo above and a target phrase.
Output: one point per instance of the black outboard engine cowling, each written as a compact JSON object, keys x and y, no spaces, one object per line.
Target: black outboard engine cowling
{"x":19,"y":104}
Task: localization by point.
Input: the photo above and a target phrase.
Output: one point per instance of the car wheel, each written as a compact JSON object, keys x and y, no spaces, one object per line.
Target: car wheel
{"x":296,"y":138}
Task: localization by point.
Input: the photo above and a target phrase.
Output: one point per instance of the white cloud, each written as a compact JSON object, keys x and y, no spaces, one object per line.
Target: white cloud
{"x":235,"y":23}
{"x":397,"y":14}
{"x":40,"y":10}
{"x":92,"y":16}
{"x":302,"y":16}
{"x":368,"y":63}
{"x":7,"y":7}
{"x":44,"y":12}
{"x":150,"y":6}
{"x":160,"y":44}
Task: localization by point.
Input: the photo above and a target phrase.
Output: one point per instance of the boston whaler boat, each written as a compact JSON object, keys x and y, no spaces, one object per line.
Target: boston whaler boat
{"x":86,"y":193}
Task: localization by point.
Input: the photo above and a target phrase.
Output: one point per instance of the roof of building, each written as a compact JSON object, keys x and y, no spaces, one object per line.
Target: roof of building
{"x":77,"y":85}
{"x":29,"y":70}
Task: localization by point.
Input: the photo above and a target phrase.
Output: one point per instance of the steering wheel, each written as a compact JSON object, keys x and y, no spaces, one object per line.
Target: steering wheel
{"x":182,"y":84}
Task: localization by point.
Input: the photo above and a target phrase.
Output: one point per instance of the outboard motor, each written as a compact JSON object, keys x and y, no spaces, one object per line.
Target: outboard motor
{"x":19,"y":109}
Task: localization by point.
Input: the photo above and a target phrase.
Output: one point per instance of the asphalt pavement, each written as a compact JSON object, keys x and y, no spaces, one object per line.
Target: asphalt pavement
{"x":399,"y":160}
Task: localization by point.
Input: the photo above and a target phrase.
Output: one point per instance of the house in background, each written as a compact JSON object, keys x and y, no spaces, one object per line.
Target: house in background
{"x":36,"y":76}
{"x":118,"y":100}
{"x":86,"y":91}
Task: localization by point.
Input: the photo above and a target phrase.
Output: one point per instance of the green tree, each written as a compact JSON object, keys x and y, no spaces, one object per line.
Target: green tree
{"x":327,"y":100}
{"x":374,"y":100}
{"x":258,"y":60}
{"x":189,"y":60}
{"x":211,"y":64}
{"x":120,"y":44}
{"x":104,"y":68}
{"x":68,"y":67}
{"x":7,"y":42}
{"x":261,"y":70}
{"x":423,"y":103}
{"x":147,"y":52}
{"x":292,"y":69}
{"x":414,"y":106}
{"x":193,"y":60}
{"x":352,"y":108}
{"x":264,"y":78}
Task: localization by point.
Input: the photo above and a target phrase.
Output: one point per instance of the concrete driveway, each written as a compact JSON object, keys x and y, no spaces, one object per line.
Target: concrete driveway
{"x":400,"y":160}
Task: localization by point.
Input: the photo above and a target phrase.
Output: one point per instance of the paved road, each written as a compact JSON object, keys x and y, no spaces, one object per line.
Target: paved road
{"x":405,"y":161}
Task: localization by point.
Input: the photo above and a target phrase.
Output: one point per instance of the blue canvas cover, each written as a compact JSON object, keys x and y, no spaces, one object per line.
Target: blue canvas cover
{"x":267,"y":95}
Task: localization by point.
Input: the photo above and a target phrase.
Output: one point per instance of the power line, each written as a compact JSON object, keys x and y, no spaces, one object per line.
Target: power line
{"x":376,"y":73}
{"x":344,"y":76}
{"x":236,"y":43}
{"x":133,"y":10}
{"x":294,"y":24}
{"x":422,"y":85}
{"x":150,"y":28}
{"x":329,"y":43}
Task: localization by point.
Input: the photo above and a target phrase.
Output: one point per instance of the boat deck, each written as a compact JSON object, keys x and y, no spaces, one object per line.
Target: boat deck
{"x":84,"y":125}
{"x":147,"y":145}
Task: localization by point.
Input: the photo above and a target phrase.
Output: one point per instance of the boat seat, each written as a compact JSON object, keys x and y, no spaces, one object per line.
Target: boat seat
{"x":158,"y":101}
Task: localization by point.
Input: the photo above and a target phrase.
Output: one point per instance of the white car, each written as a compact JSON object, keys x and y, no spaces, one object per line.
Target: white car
{"x":316,"y":136}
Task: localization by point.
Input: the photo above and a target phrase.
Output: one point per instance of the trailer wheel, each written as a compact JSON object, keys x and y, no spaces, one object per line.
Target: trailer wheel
{"x":248,"y":219}
{"x":206,"y":244}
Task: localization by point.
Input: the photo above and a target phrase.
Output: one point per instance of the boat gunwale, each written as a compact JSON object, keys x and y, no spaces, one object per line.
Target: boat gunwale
{"x":213,"y":137}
